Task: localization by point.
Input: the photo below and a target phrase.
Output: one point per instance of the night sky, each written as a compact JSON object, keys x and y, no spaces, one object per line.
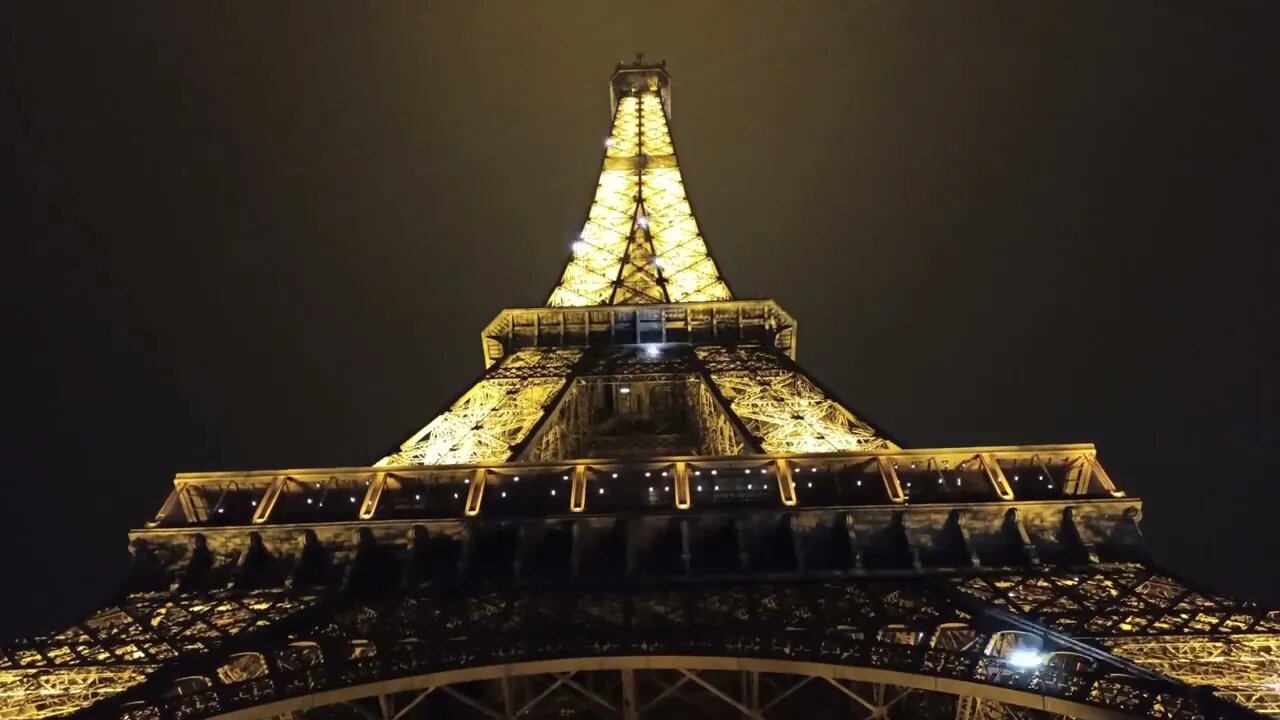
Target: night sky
{"x":247,"y":235}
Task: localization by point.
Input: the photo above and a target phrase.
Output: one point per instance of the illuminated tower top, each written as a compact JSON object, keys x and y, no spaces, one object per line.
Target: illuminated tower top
{"x":640,"y":243}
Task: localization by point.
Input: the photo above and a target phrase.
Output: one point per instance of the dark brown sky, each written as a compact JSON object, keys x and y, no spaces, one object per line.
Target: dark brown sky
{"x":247,"y":235}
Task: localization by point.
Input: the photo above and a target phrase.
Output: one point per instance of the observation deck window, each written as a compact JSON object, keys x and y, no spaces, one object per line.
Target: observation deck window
{"x":311,"y":500}
{"x":538,"y":493}
{"x":827,"y":483}
{"x":724,"y":486}
{"x":231,"y":503}
{"x":630,"y":488}
{"x":935,"y":480}
{"x":426,"y":495}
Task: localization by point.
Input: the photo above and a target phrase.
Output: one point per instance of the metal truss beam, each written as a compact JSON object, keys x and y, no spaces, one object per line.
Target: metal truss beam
{"x":404,"y":709}
{"x":874,"y":709}
{"x":717,"y":692}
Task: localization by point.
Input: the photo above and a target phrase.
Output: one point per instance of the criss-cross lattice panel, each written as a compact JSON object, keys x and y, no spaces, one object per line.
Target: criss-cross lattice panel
{"x":118,"y":647}
{"x":1156,"y":621}
{"x":34,"y":694}
{"x":639,"y":281}
{"x":342,"y":648}
{"x":601,"y":247}
{"x":494,"y":415}
{"x":640,"y":243}
{"x":681,"y":253}
{"x":782,"y":407}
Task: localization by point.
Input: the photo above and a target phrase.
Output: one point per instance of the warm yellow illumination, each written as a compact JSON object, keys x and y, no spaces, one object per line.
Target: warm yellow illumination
{"x":1197,"y":638}
{"x":784,"y":409}
{"x":1241,"y":668}
{"x":640,"y":243}
{"x":495,"y":414}
{"x":35,"y":694}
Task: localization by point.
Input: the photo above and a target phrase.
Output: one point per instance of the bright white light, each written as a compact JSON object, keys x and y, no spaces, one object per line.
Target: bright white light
{"x":579,"y":247}
{"x":713,"y":472}
{"x":608,"y":142}
{"x":504,"y":493}
{"x":652,"y":350}
{"x":1026,"y":658}
{"x":601,"y":491}
{"x":615,"y":474}
{"x":553,"y":492}
{"x":642,"y":220}
{"x":647,"y":474}
{"x":419,"y":497}
{"x":516,"y":478}
{"x":624,"y":389}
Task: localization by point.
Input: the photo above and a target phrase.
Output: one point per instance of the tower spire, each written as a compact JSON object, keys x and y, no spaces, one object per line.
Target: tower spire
{"x":640,"y":243}
{"x":702,"y":375}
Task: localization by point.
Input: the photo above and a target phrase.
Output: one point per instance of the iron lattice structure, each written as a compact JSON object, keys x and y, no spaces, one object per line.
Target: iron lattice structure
{"x":645,"y":506}
{"x":640,"y":243}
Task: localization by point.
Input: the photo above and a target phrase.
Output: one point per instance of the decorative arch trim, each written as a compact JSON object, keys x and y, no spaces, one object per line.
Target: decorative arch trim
{"x":918,"y":681}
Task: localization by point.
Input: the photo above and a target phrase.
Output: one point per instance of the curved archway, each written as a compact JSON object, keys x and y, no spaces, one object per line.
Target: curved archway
{"x":838,"y":676}
{"x":871,"y":632}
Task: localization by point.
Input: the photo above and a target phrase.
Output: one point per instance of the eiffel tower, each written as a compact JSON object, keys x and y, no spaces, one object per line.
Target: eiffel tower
{"x":644,"y":506}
